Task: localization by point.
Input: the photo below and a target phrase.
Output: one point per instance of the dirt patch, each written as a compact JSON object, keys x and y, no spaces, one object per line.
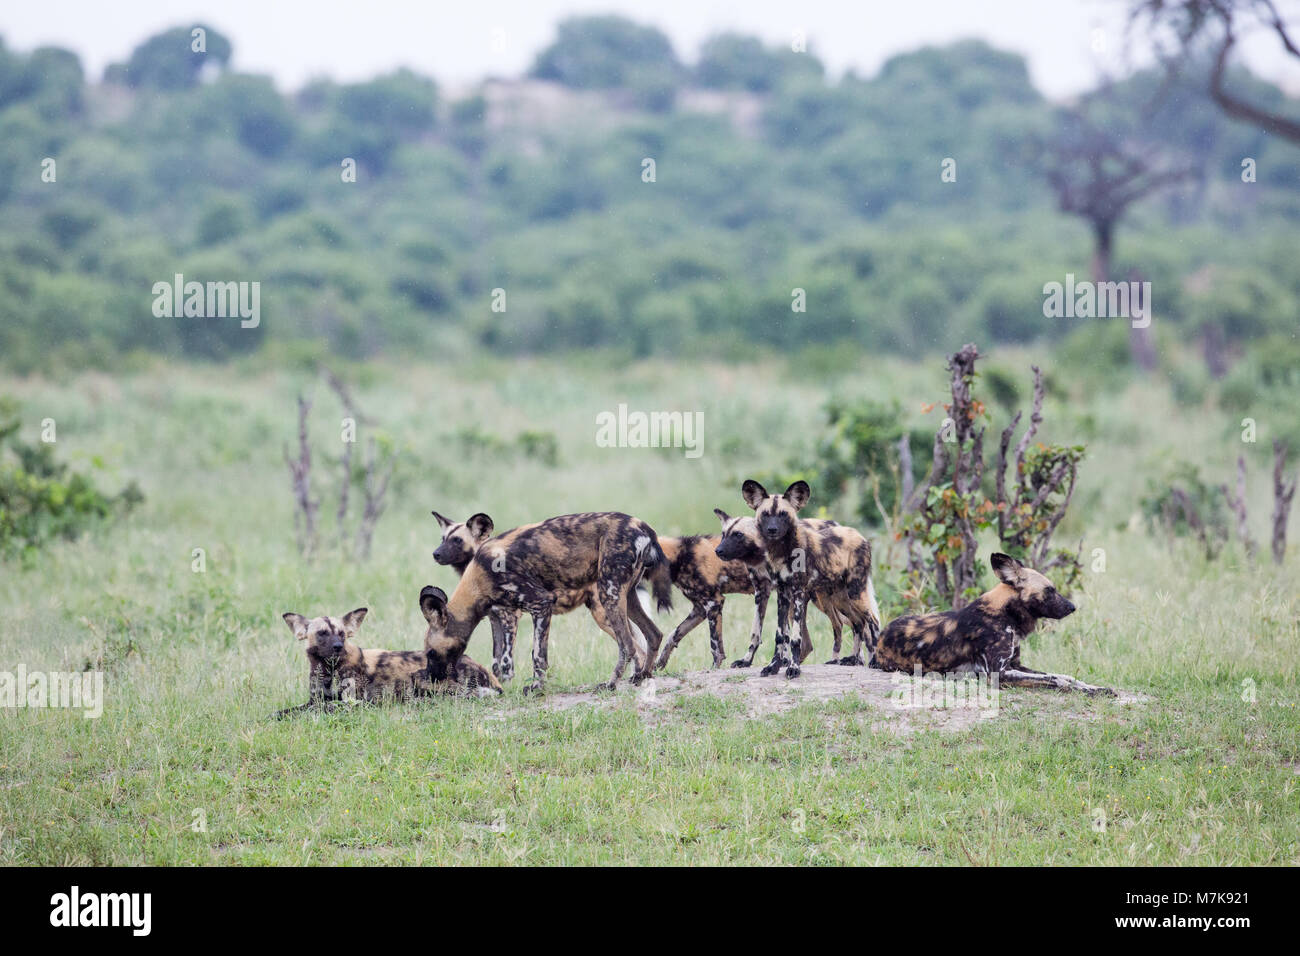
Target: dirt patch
{"x":903,"y":702}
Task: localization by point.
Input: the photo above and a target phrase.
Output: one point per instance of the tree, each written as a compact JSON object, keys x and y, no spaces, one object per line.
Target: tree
{"x":736,"y":61}
{"x":49,"y":78}
{"x":1179,"y":28}
{"x":58,"y":81}
{"x":1098,"y":170}
{"x":250,"y":109}
{"x":1098,"y":174}
{"x":168,"y":61}
{"x":605,"y":52}
{"x":402,"y":103}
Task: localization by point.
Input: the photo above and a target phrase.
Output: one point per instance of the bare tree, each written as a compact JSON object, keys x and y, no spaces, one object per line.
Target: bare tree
{"x":953,"y":577}
{"x":350,"y":409}
{"x":1028,"y":515}
{"x":1237,"y":502}
{"x":376,"y":475}
{"x":1179,"y":28}
{"x":1097,"y":175}
{"x":1283,"y":492}
{"x":304,"y":519}
{"x":375,"y":488}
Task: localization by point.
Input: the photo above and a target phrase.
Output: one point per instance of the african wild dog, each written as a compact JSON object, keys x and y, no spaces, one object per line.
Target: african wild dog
{"x":985,"y":635}
{"x":705,"y":579}
{"x":459,"y":542}
{"x":593,"y":559}
{"x":833,"y":564}
{"x":339,"y":669}
{"x":705,"y":576}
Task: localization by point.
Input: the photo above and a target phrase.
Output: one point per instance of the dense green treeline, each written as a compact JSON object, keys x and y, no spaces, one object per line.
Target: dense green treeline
{"x":768,"y":177}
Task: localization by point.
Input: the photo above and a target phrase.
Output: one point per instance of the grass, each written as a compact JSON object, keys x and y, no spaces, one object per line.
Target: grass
{"x":185,"y":768}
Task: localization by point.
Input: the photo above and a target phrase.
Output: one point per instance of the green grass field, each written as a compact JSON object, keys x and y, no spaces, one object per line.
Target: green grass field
{"x":184,"y":766}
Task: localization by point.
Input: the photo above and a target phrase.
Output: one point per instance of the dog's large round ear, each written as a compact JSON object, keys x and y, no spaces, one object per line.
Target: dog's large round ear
{"x":753,"y":493}
{"x":1006,"y":568}
{"x":433,"y":604}
{"x":443,"y":523}
{"x":722,"y":516}
{"x":798,"y":494}
{"x":297,"y":623}
{"x":480,"y":526}
{"x":352,"y":620}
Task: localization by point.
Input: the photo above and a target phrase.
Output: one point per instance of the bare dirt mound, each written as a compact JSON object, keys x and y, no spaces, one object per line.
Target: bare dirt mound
{"x":904,"y":702}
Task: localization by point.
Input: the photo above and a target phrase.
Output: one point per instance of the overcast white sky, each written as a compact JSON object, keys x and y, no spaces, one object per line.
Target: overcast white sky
{"x":459,"y":42}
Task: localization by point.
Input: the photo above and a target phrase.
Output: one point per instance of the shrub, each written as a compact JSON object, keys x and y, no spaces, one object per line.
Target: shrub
{"x":40,"y":498}
{"x":1181,"y":503}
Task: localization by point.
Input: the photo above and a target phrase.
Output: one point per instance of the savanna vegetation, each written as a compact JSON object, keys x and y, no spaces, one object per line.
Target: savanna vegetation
{"x":1201,"y":770}
{"x":151,"y":468}
{"x":768,"y":177}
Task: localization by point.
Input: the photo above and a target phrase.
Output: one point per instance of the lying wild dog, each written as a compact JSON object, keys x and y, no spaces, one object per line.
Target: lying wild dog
{"x":831,"y":564}
{"x":704,"y":575}
{"x":459,"y":542}
{"x":593,"y":559}
{"x":985,"y":635}
{"x":342,"y":670}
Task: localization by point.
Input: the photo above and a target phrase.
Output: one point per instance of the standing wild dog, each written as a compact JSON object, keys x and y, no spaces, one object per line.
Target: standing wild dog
{"x":459,"y":542}
{"x":593,"y":559}
{"x":705,"y":578}
{"x":704,"y":572}
{"x":339,"y":669}
{"x":985,"y":635}
{"x":833,"y":564}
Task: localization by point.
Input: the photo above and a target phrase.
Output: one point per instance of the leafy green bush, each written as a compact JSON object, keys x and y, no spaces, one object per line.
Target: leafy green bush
{"x":859,"y":456}
{"x":41,"y":499}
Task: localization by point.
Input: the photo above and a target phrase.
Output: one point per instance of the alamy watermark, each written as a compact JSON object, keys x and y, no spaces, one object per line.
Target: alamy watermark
{"x":1098,"y":300}
{"x":130,"y":910}
{"x":73,"y":690}
{"x":937,"y":691}
{"x":212,"y":300}
{"x":624,"y":429}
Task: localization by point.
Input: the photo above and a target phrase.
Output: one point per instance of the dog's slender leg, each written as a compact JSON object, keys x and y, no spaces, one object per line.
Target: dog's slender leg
{"x":649,"y":630}
{"x":323,"y":682}
{"x":859,"y":639}
{"x":681,"y":630}
{"x":509,"y":630}
{"x":837,"y":628}
{"x":715,"y":634}
{"x":762,"y":591}
{"x":541,"y":615}
{"x":498,"y":618}
{"x":601,"y":617}
{"x":782,"y":657}
{"x":799,"y":609}
{"x":860,"y":622}
{"x":1021,"y":678}
{"x":281,"y":714}
{"x":1015,"y":665}
{"x":642,"y":662}
{"x":873,"y":636}
{"x":805,"y":641}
